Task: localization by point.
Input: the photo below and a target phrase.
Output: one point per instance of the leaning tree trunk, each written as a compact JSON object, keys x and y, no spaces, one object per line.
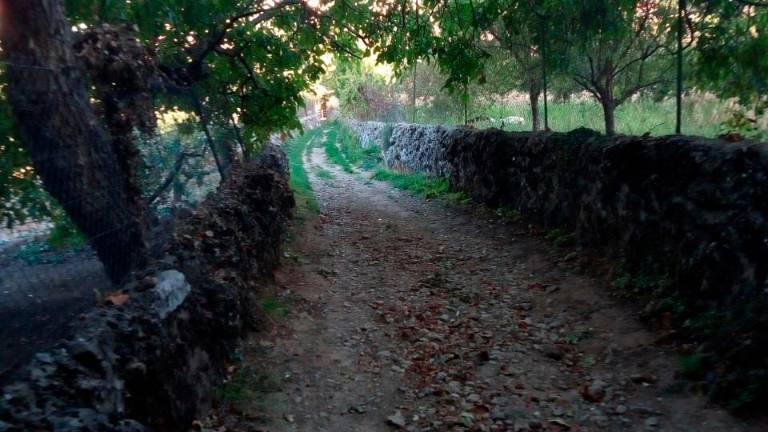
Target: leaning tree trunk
{"x":70,"y":150}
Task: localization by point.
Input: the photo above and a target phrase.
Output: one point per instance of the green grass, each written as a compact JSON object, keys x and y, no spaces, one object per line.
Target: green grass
{"x":419,"y":184}
{"x":273,"y":306}
{"x":692,"y":365}
{"x":702,"y":116}
{"x":354,"y":153}
{"x":508,"y":213}
{"x":65,"y":235}
{"x":332,"y":150}
{"x":324,"y":174}
{"x":560,"y":237}
{"x":248,"y":386}
{"x":302,"y":189}
{"x":343,"y":148}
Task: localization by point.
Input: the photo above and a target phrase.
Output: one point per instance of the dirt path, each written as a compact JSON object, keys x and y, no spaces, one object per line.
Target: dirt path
{"x":406,"y":313}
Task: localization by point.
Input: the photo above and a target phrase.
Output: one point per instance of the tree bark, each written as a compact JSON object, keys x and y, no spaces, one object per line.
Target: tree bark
{"x":70,"y":149}
{"x":240,"y":141}
{"x":533,"y":94}
{"x":609,"y":110}
{"x":199,"y":110}
{"x":170,"y":178}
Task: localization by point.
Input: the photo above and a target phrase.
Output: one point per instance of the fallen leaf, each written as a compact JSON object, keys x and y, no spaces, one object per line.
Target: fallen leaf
{"x":116,"y":298}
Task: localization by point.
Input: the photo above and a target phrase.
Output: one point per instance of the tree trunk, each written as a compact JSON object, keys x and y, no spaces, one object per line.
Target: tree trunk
{"x":533,"y":94}
{"x":70,"y":150}
{"x":240,"y":141}
{"x":199,"y":110}
{"x":169,"y":179}
{"x":609,"y":110}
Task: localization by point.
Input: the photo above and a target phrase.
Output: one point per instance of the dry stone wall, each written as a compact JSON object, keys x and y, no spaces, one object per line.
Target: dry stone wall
{"x":687,"y":218}
{"x":152,"y":359}
{"x":369,"y":133}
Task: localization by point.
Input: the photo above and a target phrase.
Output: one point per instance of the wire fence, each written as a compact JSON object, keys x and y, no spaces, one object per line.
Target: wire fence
{"x":51,"y":275}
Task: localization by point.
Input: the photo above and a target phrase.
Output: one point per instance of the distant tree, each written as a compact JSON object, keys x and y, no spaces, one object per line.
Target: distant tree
{"x":619,"y":48}
{"x":729,"y":54}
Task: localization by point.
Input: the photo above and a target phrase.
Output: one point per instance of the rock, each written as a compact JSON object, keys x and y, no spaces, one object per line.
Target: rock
{"x":396,"y":419}
{"x":553,"y":352}
{"x":559,"y":422}
{"x":357,"y":409}
{"x":170,"y":291}
{"x":652,"y":422}
{"x":643,"y":379}
{"x":595,"y":392}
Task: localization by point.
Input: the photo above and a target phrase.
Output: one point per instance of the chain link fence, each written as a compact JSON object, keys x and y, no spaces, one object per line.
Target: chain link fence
{"x":50,"y":276}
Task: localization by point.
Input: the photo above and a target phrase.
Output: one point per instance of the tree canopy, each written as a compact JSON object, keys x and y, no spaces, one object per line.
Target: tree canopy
{"x":241,"y":68}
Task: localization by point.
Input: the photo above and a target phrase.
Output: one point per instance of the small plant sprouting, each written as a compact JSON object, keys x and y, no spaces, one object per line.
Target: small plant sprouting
{"x":692,"y":365}
{"x":273,"y":306}
{"x":324,"y":174}
{"x":508,"y":213}
{"x":561,"y":238}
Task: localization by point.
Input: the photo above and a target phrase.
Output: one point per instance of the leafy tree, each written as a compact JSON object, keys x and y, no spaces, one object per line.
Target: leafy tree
{"x":729,"y":54}
{"x":362,"y":93}
{"x":20,"y":192}
{"x":242,"y":63}
{"x":620,"y":49}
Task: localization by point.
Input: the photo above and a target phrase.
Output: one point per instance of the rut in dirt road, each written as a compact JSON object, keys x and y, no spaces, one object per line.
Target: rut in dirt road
{"x":408,"y":314}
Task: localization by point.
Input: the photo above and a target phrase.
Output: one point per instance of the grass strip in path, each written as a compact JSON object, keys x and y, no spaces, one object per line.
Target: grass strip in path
{"x":302,"y":188}
{"x":420,"y":184}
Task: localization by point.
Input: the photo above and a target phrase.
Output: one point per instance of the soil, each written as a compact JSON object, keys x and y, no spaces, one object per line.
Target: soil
{"x":400,"y":313}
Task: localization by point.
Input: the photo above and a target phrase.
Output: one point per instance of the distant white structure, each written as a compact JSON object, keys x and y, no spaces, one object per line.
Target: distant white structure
{"x":515,"y":120}
{"x":511,"y":120}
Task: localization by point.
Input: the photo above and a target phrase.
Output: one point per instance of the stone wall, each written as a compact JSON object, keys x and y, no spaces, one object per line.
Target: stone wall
{"x":369,"y":133}
{"x":419,"y":148}
{"x":152,"y":357}
{"x":686,"y":217}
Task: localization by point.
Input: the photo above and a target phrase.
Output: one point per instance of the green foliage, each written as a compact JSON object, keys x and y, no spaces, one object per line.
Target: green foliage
{"x":692,"y":365}
{"x":65,"y":235}
{"x":160,"y":152}
{"x":354,"y":153}
{"x":748,"y":395}
{"x":248,"y":385}
{"x":508,"y":213}
{"x":673,"y":303}
{"x":428,"y":187}
{"x":730,"y":48}
{"x":641,"y":282}
{"x":324,"y":174}
{"x":362,"y":93}
{"x":560,"y":238}
{"x":707,"y":323}
{"x":21,"y":195}
{"x":248,"y":61}
{"x":273,"y":306}
{"x":704,"y":115}
{"x":579,"y":335}
{"x":333,"y":151}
